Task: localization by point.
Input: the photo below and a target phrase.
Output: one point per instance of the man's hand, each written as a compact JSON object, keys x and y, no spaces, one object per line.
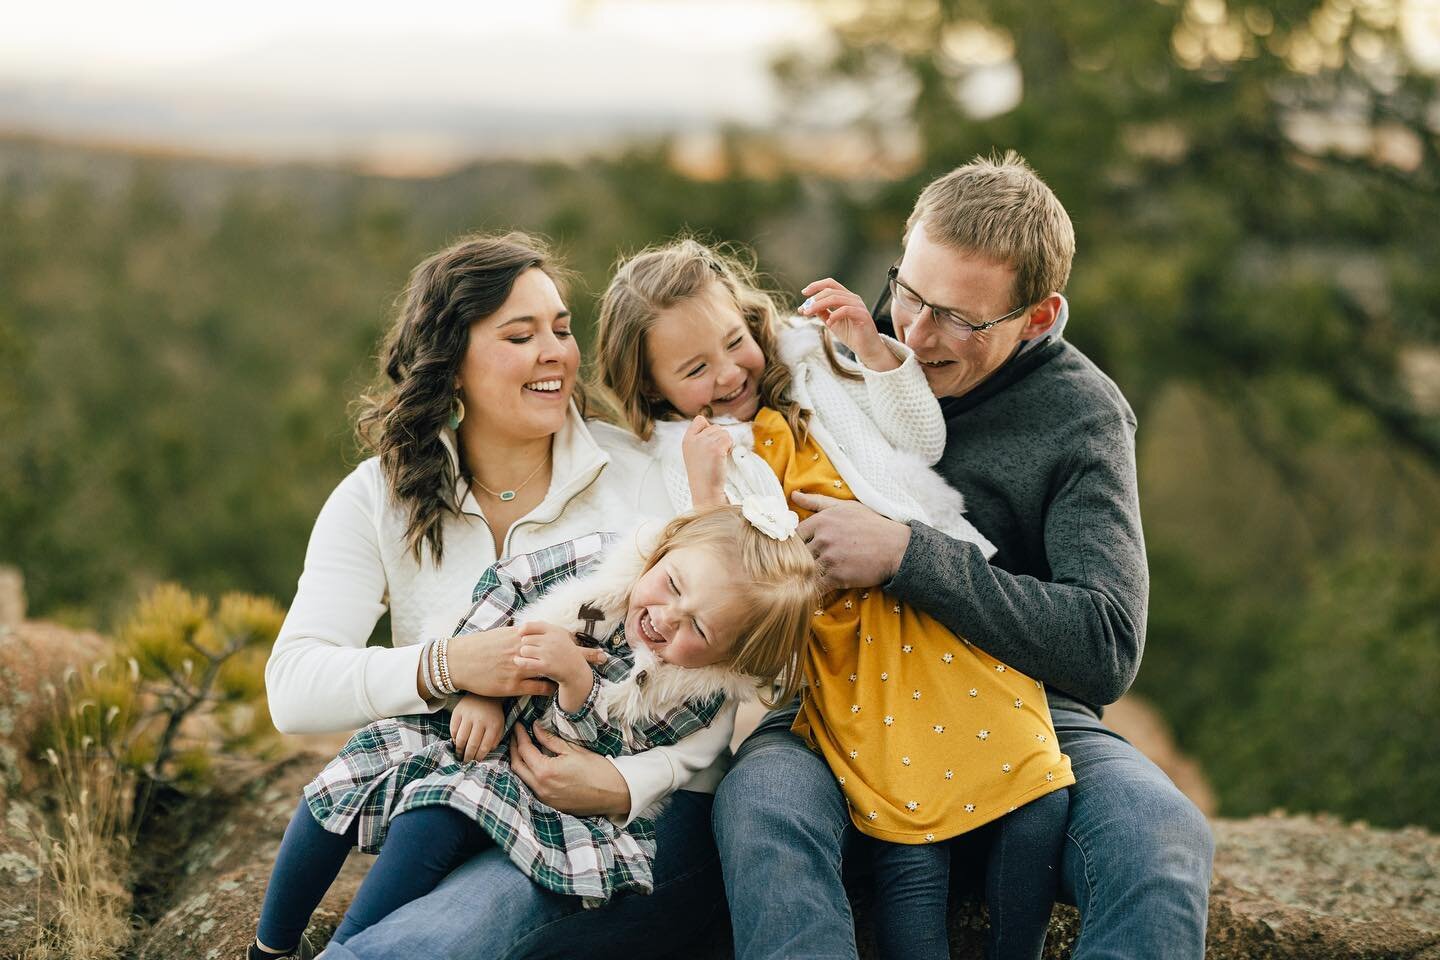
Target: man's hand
{"x":571,"y":779}
{"x":705,"y":449}
{"x":550,"y":651}
{"x":856,"y":546}
{"x":849,"y":320}
{"x":476,"y":724}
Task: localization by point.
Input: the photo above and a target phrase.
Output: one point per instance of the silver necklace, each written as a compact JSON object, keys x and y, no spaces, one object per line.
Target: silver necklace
{"x":508,"y":495}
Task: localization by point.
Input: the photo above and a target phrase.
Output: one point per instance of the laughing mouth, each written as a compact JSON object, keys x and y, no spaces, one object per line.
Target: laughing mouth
{"x":936,"y":363}
{"x":647,"y":629}
{"x":545,"y":386}
{"x":740,"y":390}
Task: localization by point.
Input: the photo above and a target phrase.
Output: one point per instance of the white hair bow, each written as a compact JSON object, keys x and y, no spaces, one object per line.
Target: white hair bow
{"x":750,"y":483}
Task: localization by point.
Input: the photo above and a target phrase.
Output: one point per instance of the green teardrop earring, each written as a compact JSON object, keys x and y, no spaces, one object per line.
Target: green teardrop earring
{"x":457,"y":412}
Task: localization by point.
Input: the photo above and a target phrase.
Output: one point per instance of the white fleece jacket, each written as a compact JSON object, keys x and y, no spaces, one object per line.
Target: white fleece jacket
{"x":322,"y":677}
{"x":882,"y":433}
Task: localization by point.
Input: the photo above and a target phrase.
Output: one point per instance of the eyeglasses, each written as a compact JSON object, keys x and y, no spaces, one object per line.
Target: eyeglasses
{"x":912,"y":303}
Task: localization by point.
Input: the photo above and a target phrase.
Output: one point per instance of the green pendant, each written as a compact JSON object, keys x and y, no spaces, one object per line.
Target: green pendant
{"x":507,"y":495}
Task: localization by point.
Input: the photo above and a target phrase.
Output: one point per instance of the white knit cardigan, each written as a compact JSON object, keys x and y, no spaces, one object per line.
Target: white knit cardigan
{"x":321,"y":676}
{"x":882,"y":433}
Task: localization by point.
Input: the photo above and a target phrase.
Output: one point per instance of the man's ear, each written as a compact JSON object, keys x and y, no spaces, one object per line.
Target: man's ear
{"x":1042,"y":317}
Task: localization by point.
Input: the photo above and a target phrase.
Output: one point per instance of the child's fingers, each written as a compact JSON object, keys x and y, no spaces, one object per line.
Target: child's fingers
{"x":489,"y":739}
{"x":814,"y":285}
{"x":594,"y":655}
{"x":530,"y":666}
{"x":845,"y":319}
{"x":698,"y":425}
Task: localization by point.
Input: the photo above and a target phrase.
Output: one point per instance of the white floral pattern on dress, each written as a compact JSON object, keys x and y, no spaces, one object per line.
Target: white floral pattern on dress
{"x":889,"y":720}
{"x":905,"y":761}
{"x":983,"y":735}
{"x":947,"y":658}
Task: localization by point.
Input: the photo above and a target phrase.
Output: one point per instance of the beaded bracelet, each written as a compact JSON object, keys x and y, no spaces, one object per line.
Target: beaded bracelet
{"x":443,"y":664}
{"x":427,"y":673}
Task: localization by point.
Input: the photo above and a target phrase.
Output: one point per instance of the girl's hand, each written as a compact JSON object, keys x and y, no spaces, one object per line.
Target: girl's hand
{"x":476,"y":724}
{"x":706,"y":448}
{"x":484,"y":662}
{"x":849,"y":320}
{"x":550,"y":651}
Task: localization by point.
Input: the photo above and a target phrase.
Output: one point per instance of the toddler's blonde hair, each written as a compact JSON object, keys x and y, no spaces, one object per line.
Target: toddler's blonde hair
{"x":779,"y":583}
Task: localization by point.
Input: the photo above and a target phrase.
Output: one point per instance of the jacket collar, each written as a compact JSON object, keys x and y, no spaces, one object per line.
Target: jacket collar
{"x":577,"y":461}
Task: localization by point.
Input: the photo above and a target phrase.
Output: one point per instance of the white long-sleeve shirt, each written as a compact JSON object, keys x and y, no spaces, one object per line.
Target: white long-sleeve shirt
{"x":322,"y":677}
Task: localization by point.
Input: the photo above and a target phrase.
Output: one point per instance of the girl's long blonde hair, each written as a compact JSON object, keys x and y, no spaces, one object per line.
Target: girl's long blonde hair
{"x":780,"y":585}
{"x":658,"y":278}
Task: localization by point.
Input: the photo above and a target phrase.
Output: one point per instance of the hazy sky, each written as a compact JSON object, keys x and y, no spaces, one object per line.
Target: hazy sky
{"x":399,"y":83}
{"x":422,"y":79}
{"x":696,"y":56}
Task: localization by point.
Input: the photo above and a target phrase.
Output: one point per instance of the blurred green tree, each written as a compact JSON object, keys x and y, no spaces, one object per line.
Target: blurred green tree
{"x":1256,"y":194}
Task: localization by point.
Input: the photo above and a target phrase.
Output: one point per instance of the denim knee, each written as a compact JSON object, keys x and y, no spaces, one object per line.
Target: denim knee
{"x":777,"y":784}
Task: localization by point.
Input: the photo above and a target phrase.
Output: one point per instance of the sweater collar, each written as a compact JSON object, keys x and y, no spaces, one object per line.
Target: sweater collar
{"x":577,"y":461}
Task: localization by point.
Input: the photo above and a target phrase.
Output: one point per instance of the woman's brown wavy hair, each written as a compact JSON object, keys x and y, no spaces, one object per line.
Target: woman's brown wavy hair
{"x":658,"y":278}
{"x":402,"y":423}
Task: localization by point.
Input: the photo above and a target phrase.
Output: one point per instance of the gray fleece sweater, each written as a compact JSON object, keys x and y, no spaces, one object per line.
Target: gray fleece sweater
{"x":1044,"y":452}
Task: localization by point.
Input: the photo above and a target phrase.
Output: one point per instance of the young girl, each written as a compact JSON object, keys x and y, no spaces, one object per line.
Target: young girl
{"x":683,"y":628}
{"x":928,"y":736}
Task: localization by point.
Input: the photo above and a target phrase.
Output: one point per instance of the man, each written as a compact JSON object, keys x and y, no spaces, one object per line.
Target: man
{"x":1042,"y":445}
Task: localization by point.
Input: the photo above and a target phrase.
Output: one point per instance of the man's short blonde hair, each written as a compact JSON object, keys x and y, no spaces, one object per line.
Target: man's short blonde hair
{"x":1000,"y":208}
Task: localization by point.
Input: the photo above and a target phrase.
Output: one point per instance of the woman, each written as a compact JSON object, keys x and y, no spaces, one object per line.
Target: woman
{"x":481,"y":454}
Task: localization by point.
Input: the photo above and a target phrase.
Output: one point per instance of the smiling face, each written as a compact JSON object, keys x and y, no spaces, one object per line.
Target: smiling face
{"x":976,"y":288}
{"x":685,"y":608}
{"x":700,"y":353}
{"x":520,"y":365}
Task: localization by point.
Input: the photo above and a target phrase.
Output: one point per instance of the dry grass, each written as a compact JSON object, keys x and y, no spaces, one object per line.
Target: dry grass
{"x":86,"y":858}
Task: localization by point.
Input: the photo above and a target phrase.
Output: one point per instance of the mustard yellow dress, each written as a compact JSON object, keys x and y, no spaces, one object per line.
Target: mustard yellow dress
{"x":927,"y":735}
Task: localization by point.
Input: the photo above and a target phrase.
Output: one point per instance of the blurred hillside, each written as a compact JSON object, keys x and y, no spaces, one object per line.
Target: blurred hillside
{"x":1256,"y":194}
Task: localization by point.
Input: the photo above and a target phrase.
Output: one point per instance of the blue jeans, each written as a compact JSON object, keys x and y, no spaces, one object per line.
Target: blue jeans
{"x":1022,"y":853}
{"x":488,"y":910}
{"x":421,"y":848}
{"x":1136,"y":861}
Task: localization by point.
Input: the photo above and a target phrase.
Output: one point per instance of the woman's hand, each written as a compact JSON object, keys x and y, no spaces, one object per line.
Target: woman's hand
{"x":476,"y":724}
{"x":484,"y":662}
{"x":847,"y":317}
{"x":705,"y":448}
{"x":571,"y":779}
